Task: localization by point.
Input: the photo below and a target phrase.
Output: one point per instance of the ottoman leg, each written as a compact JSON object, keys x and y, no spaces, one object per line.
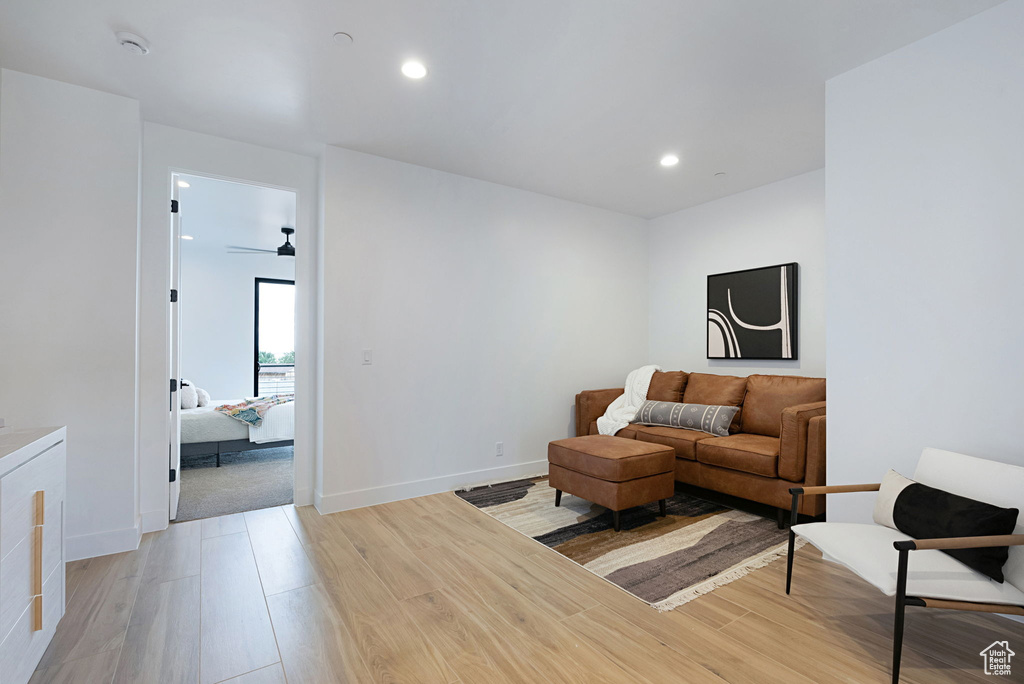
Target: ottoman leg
{"x":661,"y":508}
{"x":615,"y":521}
{"x":558,"y":497}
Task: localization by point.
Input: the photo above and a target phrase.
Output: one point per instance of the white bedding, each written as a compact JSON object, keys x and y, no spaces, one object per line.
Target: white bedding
{"x":207,"y":425}
{"x":278,"y":424}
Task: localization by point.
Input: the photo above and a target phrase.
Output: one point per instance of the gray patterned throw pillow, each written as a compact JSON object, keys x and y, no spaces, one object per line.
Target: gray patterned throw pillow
{"x":714,"y":420}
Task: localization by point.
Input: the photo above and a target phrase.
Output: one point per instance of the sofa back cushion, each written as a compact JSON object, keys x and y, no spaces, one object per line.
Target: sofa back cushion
{"x":667,"y":386}
{"x":767,"y":395}
{"x":717,"y":390}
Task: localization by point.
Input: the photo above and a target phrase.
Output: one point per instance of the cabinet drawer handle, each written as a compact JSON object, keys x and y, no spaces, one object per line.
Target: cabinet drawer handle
{"x":37,"y":562}
{"x":37,"y":613}
{"x":40,"y":507}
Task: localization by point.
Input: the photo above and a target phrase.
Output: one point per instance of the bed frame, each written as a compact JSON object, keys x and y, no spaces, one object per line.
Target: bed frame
{"x":229,"y":447}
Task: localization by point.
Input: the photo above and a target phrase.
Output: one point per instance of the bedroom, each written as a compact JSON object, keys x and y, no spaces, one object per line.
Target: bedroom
{"x":236,"y":296}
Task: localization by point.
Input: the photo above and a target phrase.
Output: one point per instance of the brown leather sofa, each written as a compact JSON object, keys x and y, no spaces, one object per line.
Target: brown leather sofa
{"x":776,"y":441}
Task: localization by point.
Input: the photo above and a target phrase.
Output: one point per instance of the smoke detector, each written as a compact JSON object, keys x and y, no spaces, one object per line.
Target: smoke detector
{"x":137,"y":45}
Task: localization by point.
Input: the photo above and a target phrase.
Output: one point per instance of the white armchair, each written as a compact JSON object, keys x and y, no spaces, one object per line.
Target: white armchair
{"x":927,"y":577}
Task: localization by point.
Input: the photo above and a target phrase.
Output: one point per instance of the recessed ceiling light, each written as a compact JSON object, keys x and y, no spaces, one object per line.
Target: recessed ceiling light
{"x":137,"y":45}
{"x":183,"y":184}
{"x":414,"y":69}
{"x":187,"y":237}
{"x":669,"y":160}
{"x":342,"y":38}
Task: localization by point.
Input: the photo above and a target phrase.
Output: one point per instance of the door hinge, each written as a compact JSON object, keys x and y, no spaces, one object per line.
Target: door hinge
{"x":174,"y":206}
{"x":174,"y":296}
{"x":174,"y":474}
{"x":174,"y":385}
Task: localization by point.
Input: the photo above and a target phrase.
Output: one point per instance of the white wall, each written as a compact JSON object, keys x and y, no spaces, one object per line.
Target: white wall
{"x":217,"y":315}
{"x":69,"y":163}
{"x":773,"y":224}
{"x":925,"y":151}
{"x":166,"y":149}
{"x":487,"y":308}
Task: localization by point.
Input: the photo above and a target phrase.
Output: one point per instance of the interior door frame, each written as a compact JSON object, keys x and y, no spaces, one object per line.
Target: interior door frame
{"x":256,"y":329}
{"x":174,"y":436}
{"x":304,"y":459}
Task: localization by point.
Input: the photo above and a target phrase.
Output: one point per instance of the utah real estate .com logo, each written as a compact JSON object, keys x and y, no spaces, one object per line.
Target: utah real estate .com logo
{"x":997,"y":658}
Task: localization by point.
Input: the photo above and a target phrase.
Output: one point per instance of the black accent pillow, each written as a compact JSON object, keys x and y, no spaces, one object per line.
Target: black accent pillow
{"x":924,"y":512}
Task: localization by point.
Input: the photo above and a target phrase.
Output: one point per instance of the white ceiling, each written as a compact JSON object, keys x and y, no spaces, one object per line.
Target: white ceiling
{"x":572,"y":98}
{"x":220,"y":213}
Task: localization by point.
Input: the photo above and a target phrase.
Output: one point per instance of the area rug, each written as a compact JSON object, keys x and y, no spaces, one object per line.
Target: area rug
{"x":245,"y":481}
{"x":697,"y":547}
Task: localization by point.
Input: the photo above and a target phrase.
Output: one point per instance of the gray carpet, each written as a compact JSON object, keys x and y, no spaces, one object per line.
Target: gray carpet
{"x":245,"y":481}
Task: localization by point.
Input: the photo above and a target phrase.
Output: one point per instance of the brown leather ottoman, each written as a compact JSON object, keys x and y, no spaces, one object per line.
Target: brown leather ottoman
{"x":611,"y":471}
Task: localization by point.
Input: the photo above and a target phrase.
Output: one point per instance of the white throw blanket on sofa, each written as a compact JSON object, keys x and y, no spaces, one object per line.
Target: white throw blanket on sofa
{"x":623,"y":410}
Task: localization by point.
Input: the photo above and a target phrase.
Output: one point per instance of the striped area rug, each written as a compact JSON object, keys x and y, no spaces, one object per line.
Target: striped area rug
{"x":666,"y":562}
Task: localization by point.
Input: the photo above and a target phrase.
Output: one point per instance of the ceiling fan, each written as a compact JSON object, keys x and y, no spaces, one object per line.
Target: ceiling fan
{"x":287,"y":249}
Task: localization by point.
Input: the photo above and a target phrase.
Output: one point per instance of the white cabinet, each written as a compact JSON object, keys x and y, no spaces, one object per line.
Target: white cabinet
{"x":32,"y":485}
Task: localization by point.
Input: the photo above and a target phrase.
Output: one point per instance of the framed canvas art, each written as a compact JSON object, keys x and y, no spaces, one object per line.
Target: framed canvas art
{"x":752,"y":314}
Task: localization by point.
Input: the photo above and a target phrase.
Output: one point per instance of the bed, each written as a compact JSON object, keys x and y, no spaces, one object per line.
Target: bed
{"x":206,"y":432}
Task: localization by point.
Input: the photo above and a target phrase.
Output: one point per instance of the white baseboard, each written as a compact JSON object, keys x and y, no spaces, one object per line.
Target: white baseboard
{"x":303,"y":496}
{"x":154,"y":521}
{"x":102,"y":543}
{"x":358,"y":498}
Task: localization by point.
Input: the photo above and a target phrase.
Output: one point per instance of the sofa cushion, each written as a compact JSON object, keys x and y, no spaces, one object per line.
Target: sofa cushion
{"x":718,"y":390}
{"x":611,"y":458}
{"x":868,"y":551}
{"x":755,"y":454}
{"x":767,"y":395}
{"x":626,"y":433}
{"x":683,"y":441}
{"x":667,"y":386}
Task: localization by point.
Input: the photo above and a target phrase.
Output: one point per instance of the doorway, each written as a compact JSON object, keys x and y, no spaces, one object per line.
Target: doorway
{"x":232,"y":444}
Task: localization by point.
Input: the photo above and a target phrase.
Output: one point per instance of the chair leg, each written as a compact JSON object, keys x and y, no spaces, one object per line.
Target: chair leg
{"x":789,"y":561}
{"x":794,"y":518}
{"x":901,"y":604}
{"x":780,"y":518}
{"x":615,"y":521}
{"x":558,"y":497}
{"x":662,"y":509}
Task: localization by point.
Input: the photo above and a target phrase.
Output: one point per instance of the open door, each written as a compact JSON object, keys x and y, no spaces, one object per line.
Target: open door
{"x":174,"y":438}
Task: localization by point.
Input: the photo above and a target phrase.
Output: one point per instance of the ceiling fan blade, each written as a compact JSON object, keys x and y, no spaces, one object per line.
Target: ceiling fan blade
{"x":259,"y":253}
{"x":251,"y":249}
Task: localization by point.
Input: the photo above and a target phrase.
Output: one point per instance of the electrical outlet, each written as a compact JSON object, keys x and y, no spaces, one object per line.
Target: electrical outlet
{"x":367,"y":357}
{"x":499,"y":449}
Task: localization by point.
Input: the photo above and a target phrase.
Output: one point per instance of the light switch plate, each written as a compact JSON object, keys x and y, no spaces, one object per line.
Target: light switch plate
{"x":367,"y":357}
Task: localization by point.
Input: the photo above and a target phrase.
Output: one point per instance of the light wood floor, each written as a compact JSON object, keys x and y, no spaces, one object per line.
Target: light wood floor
{"x":432,"y":590}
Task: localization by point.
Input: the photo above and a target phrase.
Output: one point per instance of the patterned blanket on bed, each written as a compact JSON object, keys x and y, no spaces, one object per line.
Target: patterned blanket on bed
{"x":251,"y":411}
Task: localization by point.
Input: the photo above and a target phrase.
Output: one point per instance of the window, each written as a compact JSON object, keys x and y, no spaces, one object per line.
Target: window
{"x":274,"y":337}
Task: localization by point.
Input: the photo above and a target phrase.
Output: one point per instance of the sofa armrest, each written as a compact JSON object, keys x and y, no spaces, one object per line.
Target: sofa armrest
{"x":815,"y":472}
{"x":591,"y":405}
{"x":796,"y":449}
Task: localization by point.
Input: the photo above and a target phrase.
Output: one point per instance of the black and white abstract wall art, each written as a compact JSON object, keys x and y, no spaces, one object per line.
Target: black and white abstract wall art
{"x":752,"y":314}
